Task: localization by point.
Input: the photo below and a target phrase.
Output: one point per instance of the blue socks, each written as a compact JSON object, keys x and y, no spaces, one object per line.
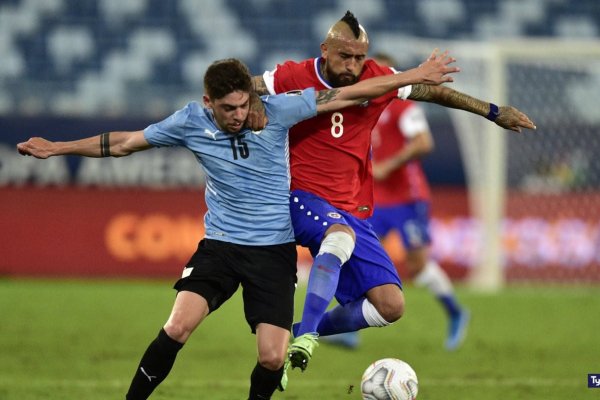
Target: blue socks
{"x":322,"y":284}
{"x":348,"y":318}
{"x":340,"y":319}
{"x":450,"y":305}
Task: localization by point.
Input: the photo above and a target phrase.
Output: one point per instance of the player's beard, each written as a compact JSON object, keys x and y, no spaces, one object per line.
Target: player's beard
{"x":340,"y":80}
{"x":345,"y":79}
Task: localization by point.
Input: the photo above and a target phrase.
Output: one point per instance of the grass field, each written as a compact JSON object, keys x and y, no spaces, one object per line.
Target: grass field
{"x":83,"y":340}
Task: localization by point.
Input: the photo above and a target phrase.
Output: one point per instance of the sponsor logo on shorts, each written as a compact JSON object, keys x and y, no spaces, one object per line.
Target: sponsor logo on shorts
{"x":334,"y":215}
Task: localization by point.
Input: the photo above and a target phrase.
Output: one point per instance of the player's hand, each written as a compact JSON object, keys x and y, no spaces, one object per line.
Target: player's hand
{"x":436,"y":68}
{"x":37,"y":147}
{"x":513,"y":119}
{"x":257,"y":117}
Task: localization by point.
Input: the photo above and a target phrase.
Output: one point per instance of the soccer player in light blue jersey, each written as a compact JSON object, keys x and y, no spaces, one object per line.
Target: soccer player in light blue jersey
{"x":249,"y":237}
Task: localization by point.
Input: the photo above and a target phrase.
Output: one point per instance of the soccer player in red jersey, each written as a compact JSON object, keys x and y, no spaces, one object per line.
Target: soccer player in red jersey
{"x":402,"y":204}
{"x":332,"y":187}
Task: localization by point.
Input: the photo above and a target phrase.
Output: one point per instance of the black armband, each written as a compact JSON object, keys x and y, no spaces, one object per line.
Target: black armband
{"x":494,"y":112}
{"x":105,"y":145}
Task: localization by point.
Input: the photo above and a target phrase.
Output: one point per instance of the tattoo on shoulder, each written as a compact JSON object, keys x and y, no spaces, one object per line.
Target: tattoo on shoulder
{"x":326,"y":96}
{"x":259,"y":85}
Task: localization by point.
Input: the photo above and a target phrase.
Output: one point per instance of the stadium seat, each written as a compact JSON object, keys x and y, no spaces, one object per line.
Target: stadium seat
{"x":76,"y":48}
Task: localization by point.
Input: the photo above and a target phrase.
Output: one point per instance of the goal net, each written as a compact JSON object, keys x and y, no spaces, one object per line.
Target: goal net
{"x":534,"y":197}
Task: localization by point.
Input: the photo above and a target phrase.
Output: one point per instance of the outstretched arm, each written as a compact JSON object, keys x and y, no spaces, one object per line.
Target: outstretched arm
{"x":433,"y":71}
{"x":507,"y":117}
{"x":110,"y":144}
{"x":420,"y":145}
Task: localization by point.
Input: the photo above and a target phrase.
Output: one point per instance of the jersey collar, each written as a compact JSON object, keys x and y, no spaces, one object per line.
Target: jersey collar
{"x":319,"y":75}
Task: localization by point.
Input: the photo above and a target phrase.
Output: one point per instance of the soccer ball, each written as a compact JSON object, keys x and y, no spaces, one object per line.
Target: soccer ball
{"x":389,"y":379}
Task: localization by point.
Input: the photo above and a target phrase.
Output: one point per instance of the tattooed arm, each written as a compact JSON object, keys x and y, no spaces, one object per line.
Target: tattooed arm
{"x":259,"y":85}
{"x":257,"y":117}
{"x":508,"y":117}
{"x":434,"y":71}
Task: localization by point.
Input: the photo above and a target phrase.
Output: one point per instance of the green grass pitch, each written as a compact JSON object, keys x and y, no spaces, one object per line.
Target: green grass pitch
{"x":83,"y":339}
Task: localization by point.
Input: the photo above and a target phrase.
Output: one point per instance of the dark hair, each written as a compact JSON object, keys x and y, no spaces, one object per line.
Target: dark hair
{"x":352,"y":22}
{"x":226,"y":76}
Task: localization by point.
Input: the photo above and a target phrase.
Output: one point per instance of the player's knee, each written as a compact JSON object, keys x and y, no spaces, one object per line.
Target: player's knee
{"x":341,"y":228}
{"x":178,"y":330}
{"x":339,"y":242}
{"x":271,"y":359}
{"x":391,"y":310}
{"x":391,"y":306}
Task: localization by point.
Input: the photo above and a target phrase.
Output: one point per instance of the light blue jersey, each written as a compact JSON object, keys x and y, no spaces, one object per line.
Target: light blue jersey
{"x":247,"y":174}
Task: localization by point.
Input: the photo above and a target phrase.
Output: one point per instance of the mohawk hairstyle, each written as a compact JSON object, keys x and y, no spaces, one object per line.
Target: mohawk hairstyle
{"x":352,"y":22}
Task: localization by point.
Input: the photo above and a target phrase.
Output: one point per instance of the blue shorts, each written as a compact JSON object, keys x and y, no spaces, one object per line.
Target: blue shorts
{"x":368,"y":267}
{"x":410,"y":220}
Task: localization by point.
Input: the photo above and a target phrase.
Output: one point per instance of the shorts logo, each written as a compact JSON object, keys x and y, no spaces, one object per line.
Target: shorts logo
{"x":293,"y":93}
{"x":334,"y":215}
{"x":594,"y":381}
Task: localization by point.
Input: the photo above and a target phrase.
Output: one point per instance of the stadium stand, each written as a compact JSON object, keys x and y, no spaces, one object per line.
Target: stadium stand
{"x":113,"y":57}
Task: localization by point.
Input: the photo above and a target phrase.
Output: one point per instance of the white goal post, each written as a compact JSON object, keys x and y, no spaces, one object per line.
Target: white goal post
{"x":557,"y":83}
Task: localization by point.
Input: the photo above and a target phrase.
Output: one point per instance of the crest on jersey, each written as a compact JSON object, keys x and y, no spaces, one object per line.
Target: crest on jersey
{"x":334,"y":215}
{"x":293,"y":93}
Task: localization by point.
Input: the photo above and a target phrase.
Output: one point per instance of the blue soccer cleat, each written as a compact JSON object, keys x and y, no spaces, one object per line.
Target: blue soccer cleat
{"x":458,"y":329}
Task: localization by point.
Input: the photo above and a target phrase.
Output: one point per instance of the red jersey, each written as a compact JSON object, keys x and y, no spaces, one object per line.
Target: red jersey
{"x":400,"y":121}
{"x":330,"y":153}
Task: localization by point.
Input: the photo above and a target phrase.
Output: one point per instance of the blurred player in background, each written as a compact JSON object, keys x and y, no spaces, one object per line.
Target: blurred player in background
{"x":249,"y":237}
{"x":332,"y":187}
{"x":402,"y":200}
{"x":402,"y":204}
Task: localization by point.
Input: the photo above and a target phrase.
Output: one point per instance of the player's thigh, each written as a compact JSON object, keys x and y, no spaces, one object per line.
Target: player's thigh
{"x":312,"y":217}
{"x":416,"y":259}
{"x":188,"y":312}
{"x":211,"y":273}
{"x":269,"y":285}
{"x":368,"y":267}
{"x":272,"y":343}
